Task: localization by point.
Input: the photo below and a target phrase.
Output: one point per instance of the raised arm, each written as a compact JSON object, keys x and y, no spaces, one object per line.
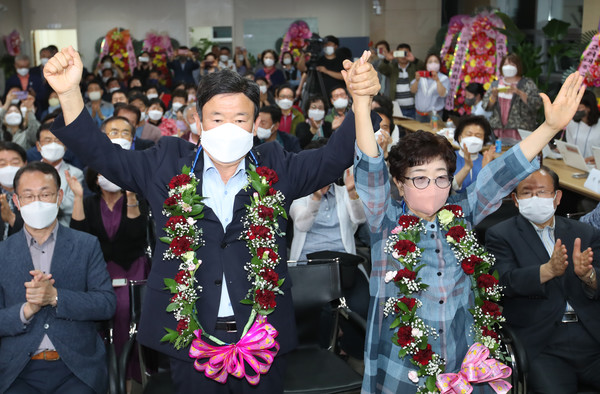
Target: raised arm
{"x":63,"y":73}
{"x":558,"y":114}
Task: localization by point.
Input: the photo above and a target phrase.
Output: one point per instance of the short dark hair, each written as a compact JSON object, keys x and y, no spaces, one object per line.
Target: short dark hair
{"x":384,"y":102}
{"x":36,"y":166}
{"x":181,"y":93}
{"x":589,"y":100}
{"x":141,"y":97}
{"x":281,"y":87}
{"x":419,"y":148}
{"x":225,"y":48}
{"x":315,"y":98}
{"x":128,"y":107}
{"x":272,"y":110}
{"x":403,"y":46}
{"x":43,"y":127}
{"x":118,"y":91}
{"x":316,"y":144}
{"x":49,"y":118}
{"x":384,"y":43}
{"x":159,"y":102}
{"x":272,"y":52}
{"x":476,"y":89}
{"x":388,"y":114}
{"x":224,"y":82}
{"x":109,"y":80}
{"x":259,"y":78}
{"x":332,"y":39}
{"x":95,"y":81}
{"x":469,"y":120}
{"x":434,"y":55}
{"x":112,"y":119}
{"x":8,"y":145}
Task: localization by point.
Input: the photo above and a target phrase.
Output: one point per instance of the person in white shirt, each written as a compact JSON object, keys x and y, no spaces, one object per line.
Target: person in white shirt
{"x":584,"y":130}
{"x":473,"y":95}
{"x":225,"y":60}
{"x":430,"y":89}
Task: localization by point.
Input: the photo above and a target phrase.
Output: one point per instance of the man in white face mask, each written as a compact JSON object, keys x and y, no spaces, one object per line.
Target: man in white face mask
{"x":98,"y":108}
{"x":12,"y":158}
{"x":268,"y":130}
{"x":54,"y":287}
{"x":227,"y":118}
{"x":53,"y":151}
{"x":549,"y":265}
{"x":290,"y":116}
{"x":27,"y":78}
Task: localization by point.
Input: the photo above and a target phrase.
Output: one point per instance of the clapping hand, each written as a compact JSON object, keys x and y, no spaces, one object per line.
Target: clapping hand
{"x":582,"y":261}
{"x":74,"y":184}
{"x":558,"y":261}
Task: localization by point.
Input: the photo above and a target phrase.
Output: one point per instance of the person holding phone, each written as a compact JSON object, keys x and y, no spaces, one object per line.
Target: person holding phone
{"x":183,"y":66}
{"x":400,"y":67}
{"x":430,"y":88}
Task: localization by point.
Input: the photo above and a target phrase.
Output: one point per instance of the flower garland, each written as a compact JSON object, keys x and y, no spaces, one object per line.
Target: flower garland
{"x":412,"y":334}
{"x":184,"y":208}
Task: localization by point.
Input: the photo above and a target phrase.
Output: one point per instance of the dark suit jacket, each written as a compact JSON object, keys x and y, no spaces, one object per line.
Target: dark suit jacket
{"x":85,"y":294}
{"x":148,"y":172}
{"x":142,"y":144}
{"x":534,"y":310}
{"x":36,"y":82}
{"x":183,"y":74}
{"x":305,"y":136}
{"x":290,"y":142}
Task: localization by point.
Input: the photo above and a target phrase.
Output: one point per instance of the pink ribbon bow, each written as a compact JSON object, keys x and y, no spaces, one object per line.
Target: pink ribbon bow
{"x":257,"y":348}
{"x":475,"y":368}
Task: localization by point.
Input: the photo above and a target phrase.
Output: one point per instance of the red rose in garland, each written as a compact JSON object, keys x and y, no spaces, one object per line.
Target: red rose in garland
{"x":271,"y":255}
{"x":269,"y":174}
{"x":265,"y":212}
{"x":270,"y":276}
{"x":486,"y":281}
{"x":457,"y":233}
{"x":406,"y":221}
{"x":271,"y":192}
{"x":490,"y":308}
{"x":423,"y":356}
{"x":182,"y":326}
{"x":468,"y":264}
{"x":259,"y":232}
{"x":489,"y":333}
{"x":405,"y":273}
{"x":182,"y":277}
{"x":174,"y":221}
{"x":172,"y":200}
{"x":455,"y":209}
{"x":404,"y":336}
{"x":265,"y":298}
{"x":409,"y":302}
{"x":404,"y":246}
{"x":179,"y":180}
{"x":180,"y":245}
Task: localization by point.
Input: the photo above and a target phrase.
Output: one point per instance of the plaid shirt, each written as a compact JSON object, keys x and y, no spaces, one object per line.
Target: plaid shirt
{"x":448,"y":298}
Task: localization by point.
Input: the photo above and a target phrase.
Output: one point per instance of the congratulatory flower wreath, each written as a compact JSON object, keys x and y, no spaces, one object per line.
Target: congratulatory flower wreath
{"x":412,"y":334}
{"x":257,"y":346}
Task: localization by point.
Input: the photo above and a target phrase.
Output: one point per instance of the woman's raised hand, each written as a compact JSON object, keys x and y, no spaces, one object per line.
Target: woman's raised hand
{"x":561,"y":111}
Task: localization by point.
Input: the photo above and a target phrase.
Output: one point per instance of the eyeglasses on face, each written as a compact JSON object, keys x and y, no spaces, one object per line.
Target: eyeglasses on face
{"x":538,"y":193}
{"x":27,"y":198}
{"x":421,"y":182}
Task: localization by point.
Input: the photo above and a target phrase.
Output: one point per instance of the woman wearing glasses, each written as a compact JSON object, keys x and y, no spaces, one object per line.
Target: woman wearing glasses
{"x":432,"y":325}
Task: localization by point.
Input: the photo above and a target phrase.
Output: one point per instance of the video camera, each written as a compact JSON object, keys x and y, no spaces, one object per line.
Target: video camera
{"x":314,"y":46}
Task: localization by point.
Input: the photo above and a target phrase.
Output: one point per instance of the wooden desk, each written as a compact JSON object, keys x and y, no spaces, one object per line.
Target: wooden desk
{"x":566,"y":180}
{"x":413,"y":125}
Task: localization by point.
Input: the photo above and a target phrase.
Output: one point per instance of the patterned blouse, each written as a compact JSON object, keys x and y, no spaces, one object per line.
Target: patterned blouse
{"x":448,"y":298}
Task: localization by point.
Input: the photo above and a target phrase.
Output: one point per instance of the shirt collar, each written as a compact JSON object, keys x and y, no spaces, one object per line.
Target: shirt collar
{"x":208,"y":165}
{"x":539,"y":230}
{"x":51,"y":238}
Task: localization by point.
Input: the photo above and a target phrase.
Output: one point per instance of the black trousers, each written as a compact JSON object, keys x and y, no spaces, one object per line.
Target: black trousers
{"x":40,"y":376}
{"x":570,"y":359}
{"x":187,"y":380}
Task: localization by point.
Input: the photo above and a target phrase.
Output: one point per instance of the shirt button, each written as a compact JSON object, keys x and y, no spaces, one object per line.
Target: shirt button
{"x":441,"y":330}
{"x":218,"y":282}
{"x":433,"y":226}
{"x":437,"y":251}
{"x":439,"y":274}
{"x":46,"y":326}
{"x":441,"y":302}
{"x":432,"y":235}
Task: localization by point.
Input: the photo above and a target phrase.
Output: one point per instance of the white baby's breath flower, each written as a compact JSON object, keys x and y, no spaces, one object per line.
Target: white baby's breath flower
{"x":389,"y":276}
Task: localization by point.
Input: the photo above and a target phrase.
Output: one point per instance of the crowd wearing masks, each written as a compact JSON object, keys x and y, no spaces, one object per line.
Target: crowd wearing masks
{"x":350,"y":173}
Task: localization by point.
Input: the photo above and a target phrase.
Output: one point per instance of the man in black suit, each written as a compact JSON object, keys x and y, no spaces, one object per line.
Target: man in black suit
{"x":268,"y":130}
{"x":25,"y":80}
{"x":551,"y":291}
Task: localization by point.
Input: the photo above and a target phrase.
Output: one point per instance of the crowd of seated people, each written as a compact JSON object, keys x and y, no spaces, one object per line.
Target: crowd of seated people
{"x":136,"y":111}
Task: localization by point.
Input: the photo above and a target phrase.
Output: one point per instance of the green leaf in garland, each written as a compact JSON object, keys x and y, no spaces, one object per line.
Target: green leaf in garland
{"x":170,"y":336}
{"x":402,"y":353}
{"x":430,"y":384}
{"x":402,"y":306}
{"x":172,"y":306}
{"x":166,"y":240}
{"x":264,"y":312}
{"x":186,"y":170}
{"x":196,"y":209}
{"x":395,"y":323}
{"x":171,"y":284}
{"x":247,"y":302}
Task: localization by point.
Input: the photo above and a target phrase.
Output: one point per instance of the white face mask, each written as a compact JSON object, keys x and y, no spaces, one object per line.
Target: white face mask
{"x":43,"y":61}
{"x":263,"y":88}
{"x":224,"y":58}
{"x":285,"y":103}
{"x":263,"y":134}
{"x":433,"y":66}
{"x":107,"y":185}
{"x":316,"y":114}
{"x":122,"y":142}
{"x":269,"y":62}
{"x":287,"y":61}
{"x":536,"y":209}
{"x":39,"y":214}
{"x":176,"y":106}
{"x":381,"y":55}
{"x":194,"y":128}
{"x":107,"y":65}
{"x":14,"y":101}
{"x":13,"y":119}
{"x":241,"y":58}
{"x":7,"y":176}
{"x":227,"y":142}
{"x":113,"y":89}
{"x":95,"y":96}
{"x":144,"y":59}
{"x":508,"y":70}
{"x":22,"y":71}
{"x":155,"y":114}
{"x":329,"y":50}
{"x":340,"y":103}
{"x":152,"y":96}
{"x":474,"y":144}
{"x":53,"y":151}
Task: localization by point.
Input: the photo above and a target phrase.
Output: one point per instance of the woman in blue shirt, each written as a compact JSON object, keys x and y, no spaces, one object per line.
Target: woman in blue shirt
{"x":472,"y":132}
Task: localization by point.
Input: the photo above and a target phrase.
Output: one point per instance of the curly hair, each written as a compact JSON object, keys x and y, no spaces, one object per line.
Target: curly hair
{"x":419,"y":148}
